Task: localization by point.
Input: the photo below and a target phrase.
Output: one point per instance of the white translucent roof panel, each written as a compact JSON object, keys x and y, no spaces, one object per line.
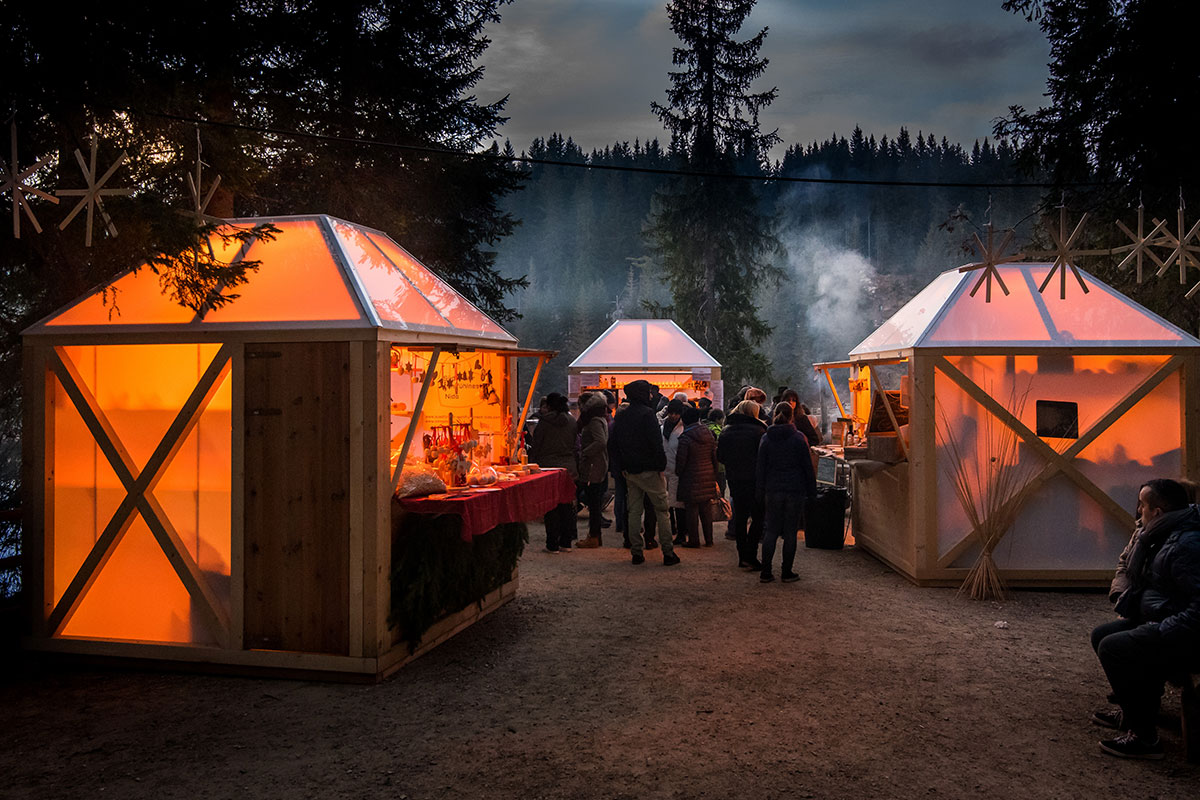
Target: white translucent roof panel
{"x":1097,"y":318}
{"x":945,"y":314}
{"x":905,"y":327}
{"x":457,"y":309}
{"x":393,"y":296}
{"x":316,"y":270}
{"x":644,"y":343}
{"x":297,"y":279}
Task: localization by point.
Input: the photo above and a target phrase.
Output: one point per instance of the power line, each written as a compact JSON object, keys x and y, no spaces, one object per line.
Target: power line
{"x":441,"y":151}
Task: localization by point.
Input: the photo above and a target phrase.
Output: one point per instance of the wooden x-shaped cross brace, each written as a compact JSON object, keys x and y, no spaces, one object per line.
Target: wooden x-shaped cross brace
{"x":1055,"y":462}
{"x":139,"y":487}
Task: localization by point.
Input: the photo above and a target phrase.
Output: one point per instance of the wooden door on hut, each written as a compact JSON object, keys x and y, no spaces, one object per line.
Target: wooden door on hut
{"x":297,"y":474}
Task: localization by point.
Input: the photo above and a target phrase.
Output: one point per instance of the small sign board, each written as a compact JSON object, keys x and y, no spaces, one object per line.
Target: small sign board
{"x":827,"y":470}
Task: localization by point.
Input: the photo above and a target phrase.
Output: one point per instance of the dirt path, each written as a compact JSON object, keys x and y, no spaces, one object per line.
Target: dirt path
{"x":604,"y":680}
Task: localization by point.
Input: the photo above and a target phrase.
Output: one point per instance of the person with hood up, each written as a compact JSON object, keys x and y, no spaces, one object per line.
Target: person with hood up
{"x":553,"y":445}
{"x":784,"y":478}
{"x":696,"y":465}
{"x":737,"y":449}
{"x":636,"y":442}
{"x":593,"y":462}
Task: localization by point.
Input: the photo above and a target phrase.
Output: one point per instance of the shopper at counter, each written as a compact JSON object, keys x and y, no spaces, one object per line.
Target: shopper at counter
{"x":553,"y":445}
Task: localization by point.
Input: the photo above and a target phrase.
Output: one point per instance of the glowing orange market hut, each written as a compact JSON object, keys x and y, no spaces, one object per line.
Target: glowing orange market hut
{"x":1093,"y":393}
{"x":656,"y":350}
{"x":216,"y":487}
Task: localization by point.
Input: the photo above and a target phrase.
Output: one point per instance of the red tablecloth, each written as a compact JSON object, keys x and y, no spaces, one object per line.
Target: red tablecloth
{"x":481,"y":510}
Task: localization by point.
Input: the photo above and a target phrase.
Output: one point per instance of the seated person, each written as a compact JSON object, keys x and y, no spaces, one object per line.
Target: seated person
{"x":1158,"y":634}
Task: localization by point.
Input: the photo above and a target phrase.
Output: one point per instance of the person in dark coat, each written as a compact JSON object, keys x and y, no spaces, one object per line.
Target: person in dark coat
{"x":737,"y":449}
{"x":636,"y":442}
{"x":784,"y":478}
{"x":593,"y":462}
{"x":800,"y":417}
{"x":696,"y":465}
{"x":553,"y":445}
{"x":1158,"y":634}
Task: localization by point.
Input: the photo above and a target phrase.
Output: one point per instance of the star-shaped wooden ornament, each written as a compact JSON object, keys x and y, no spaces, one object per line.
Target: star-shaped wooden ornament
{"x":91,"y":198}
{"x":1065,"y":255}
{"x":990,"y":258}
{"x":1142,"y":242}
{"x":1185,"y":246}
{"x":14,"y":181}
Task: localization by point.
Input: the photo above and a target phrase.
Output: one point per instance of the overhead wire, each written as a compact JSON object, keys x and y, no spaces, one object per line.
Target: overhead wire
{"x":523,"y":159}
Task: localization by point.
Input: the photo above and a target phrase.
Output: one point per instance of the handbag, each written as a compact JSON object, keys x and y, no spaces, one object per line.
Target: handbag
{"x":722,"y":511}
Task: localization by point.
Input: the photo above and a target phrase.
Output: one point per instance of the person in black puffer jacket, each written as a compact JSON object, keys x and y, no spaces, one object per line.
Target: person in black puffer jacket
{"x":784,"y":479}
{"x":696,"y":465}
{"x":636,"y":443}
{"x":737,"y":449}
{"x":1158,"y":635}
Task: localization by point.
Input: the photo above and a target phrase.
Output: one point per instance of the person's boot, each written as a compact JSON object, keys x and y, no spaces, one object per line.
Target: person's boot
{"x":589,"y":542}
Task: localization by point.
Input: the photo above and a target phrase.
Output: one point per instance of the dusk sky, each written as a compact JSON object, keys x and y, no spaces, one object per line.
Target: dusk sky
{"x":590,"y":68}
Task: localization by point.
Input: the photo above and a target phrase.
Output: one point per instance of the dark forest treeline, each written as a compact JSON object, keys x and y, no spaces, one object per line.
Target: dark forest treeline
{"x":852,"y":253}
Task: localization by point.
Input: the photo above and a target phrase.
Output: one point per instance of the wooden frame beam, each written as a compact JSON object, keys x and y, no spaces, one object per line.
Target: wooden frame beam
{"x":1055,"y":462}
{"x":139,"y":486}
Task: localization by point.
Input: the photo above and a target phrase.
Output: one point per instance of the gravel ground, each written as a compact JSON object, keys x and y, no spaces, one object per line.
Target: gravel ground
{"x":605,"y":680}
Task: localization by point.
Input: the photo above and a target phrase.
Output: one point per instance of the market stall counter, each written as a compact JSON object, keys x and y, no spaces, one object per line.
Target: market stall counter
{"x":483,"y":508}
{"x":455,"y":553}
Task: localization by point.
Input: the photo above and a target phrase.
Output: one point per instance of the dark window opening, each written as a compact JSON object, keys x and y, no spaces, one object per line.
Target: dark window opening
{"x":1058,"y":419}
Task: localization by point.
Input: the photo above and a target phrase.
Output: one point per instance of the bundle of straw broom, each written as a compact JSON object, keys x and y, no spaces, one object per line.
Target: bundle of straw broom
{"x":989,"y":487}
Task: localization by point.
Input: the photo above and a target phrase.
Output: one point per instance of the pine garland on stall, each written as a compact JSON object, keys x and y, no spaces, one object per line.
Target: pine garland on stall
{"x":435,"y":572}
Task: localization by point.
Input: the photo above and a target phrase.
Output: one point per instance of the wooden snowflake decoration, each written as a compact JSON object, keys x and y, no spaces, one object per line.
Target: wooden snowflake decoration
{"x":1065,"y":254}
{"x":1185,"y":248}
{"x":14,"y":181}
{"x":91,"y":198}
{"x":1142,"y":242}
{"x":990,"y":258}
{"x":200,"y":204}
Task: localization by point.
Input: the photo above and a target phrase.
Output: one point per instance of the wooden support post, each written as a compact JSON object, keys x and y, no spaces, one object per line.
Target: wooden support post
{"x":357,"y":423}
{"x":237,"y":501}
{"x":37,"y":465}
{"x":416,"y":417}
{"x":520,"y":426}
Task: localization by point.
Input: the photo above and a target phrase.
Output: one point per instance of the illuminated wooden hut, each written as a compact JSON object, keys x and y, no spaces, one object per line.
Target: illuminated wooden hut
{"x":1100,"y":393}
{"x":656,"y":350}
{"x":215,"y":487}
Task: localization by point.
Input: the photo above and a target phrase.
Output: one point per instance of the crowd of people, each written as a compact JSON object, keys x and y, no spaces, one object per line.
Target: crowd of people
{"x":672,"y":461}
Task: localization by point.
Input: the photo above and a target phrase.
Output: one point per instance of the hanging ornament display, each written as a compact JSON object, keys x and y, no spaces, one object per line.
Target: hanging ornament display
{"x":91,"y":198}
{"x":200,"y":204}
{"x":14,"y":181}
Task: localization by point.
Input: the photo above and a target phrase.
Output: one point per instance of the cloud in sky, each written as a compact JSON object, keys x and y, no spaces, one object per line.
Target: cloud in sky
{"x":590,"y":69}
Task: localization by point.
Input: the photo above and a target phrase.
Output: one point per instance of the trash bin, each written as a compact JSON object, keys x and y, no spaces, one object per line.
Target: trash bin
{"x":825,"y":518}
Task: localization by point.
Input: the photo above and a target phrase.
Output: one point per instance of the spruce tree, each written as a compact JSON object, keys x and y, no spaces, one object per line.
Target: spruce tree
{"x":708,"y":234}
